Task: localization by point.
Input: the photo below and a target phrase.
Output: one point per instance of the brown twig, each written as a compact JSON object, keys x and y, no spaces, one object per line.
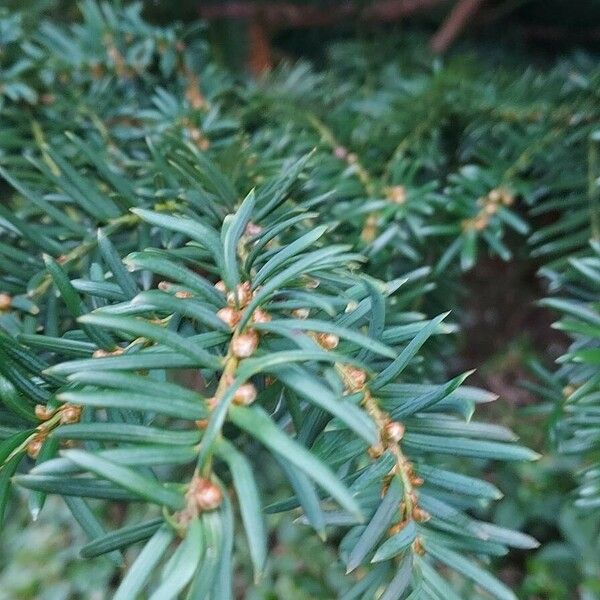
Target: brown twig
{"x":455,"y":22}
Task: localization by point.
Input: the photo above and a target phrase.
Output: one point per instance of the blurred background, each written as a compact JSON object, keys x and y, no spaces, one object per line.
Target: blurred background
{"x":502,"y":330}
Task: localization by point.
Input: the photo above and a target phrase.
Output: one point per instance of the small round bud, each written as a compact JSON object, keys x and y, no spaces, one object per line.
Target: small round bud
{"x":207,"y":495}
{"x":5,"y":301}
{"x":340,"y":152}
{"x":397,"y":194}
{"x":195,"y":133}
{"x":183,"y":294}
{"x":491,"y":209}
{"x":202,"y":423}
{"x":243,"y":293}
{"x":508,"y":199}
{"x":568,"y":390}
{"x":352,"y":158}
{"x":394,"y":431}
{"x":43,"y":413}
{"x":495,"y":196}
{"x":34,"y":447}
{"x":70,"y":414}
{"x":245,"y":344}
{"x":480,"y":222}
{"x":301,"y":313}
{"x":165,"y":286}
{"x":245,"y":394}
{"x":416,"y":481}
{"x":329,"y":341}
{"x":253,"y":229}
{"x":260,"y":316}
{"x":230,"y":316}
{"x":211,"y":403}
{"x":420,"y":515}
{"x":355,"y":379}
{"x":220,"y":285}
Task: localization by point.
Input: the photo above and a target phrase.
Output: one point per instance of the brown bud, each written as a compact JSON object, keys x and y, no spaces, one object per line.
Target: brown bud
{"x":329,"y":341}
{"x":165,"y":286}
{"x":397,"y":194}
{"x":211,"y":403}
{"x":417,"y":546}
{"x":355,"y":379}
{"x":183,"y":294}
{"x":397,"y":528}
{"x":243,"y":294}
{"x":495,"y":196}
{"x":568,"y":390}
{"x":420,"y":515}
{"x":491,"y":209}
{"x":207,"y":495}
{"x":375,"y":451}
{"x":5,"y":301}
{"x":253,"y":229}
{"x":245,"y":394}
{"x":301,"y":313}
{"x":480,"y":222}
{"x":245,"y":344}
{"x":195,"y":133}
{"x":43,"y":413}
{"x":416,"y":481}
{"x":70,"y":414}
{"x":34,"y":447}
{"x":202,"y":423}
{"x":220,"y":285}
{"x":230,"y":316}
{"x":203,"y":143}
{"x":508,"y":199}
{"x":394,"y":431}
{"x":260,"y":316}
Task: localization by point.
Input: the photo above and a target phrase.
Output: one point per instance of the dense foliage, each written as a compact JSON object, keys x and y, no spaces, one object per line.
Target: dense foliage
{"x":224,"y":300}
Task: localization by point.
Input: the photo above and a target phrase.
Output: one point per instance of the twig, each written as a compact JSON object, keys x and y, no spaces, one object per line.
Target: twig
{"x":457,"y":20}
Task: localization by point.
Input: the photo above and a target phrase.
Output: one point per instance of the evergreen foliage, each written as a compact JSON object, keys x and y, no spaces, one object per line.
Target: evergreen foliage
{"x":202,"y":275}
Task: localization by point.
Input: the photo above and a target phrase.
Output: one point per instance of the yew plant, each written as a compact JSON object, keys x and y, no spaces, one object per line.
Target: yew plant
{"x":292,"y":347}
{"x":221,"y":301}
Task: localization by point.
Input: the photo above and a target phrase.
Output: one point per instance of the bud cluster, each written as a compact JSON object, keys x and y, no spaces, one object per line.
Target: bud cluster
{"x":489,"y":206}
